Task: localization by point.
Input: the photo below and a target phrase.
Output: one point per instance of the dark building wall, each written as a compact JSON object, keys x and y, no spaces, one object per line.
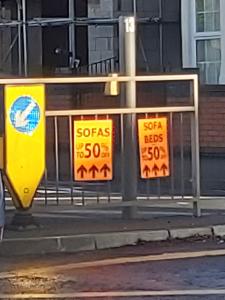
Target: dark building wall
{"x":57,"y":9}
{"x":34,"y":49}
{"x":34,"y":38}
{"x":54,"y":37}
{"x":159,"y":42}
{"x":58,"y":36}
{"x":81,"y":10}
{"x":159,"y":39}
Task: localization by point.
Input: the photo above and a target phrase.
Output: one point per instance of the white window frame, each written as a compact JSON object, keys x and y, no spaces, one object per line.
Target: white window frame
{"x":189,"y":35}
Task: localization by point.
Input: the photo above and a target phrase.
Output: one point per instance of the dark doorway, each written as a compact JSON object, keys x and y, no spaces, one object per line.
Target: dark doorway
{"x":81,"y":9}
{"x":56,"y":38}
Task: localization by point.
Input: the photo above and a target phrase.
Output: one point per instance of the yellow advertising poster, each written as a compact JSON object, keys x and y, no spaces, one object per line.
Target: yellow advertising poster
{"x":24,"y":141}
{"x":153,"y":147}
{"x":93,"y":150}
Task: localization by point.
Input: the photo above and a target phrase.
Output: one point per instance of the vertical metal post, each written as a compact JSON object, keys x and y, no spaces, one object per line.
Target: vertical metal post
{"x":171,"y":155}
{"x":72,"y":49}
{"x":121,"y":45}
{"x":130,"y":143}
{"x":71,"y":157}
{"x":195,"y":152}
{"x":130,"y":60}
{"x":56,"y":158}
{"x":122,"y":102}
{"x":25,"y":54}
{"x":46,"y":185}
{"x":2,"y":207}
{"x":160,"y":36}
{"x":135,"y":7}
{"x":122,"y":163}
{"x":19,"y":7}
{"x":182,"y":155}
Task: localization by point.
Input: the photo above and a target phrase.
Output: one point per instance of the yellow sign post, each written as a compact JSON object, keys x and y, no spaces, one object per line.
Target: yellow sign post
{"x":93,"y":150}
{"x":24,"y":141}
{"x":153,"y":146}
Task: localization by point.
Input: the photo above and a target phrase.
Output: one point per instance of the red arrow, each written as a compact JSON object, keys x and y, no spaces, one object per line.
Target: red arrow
{"x":164,"y":168}
{"x":93,"y":170}
{"x":82,"y":170}
{"x":155,"y":169}
{"x":105,"y":169}
{"x":146,"y":170}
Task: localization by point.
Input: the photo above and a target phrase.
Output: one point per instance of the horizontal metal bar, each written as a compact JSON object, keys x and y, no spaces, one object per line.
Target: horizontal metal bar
{"x":116,"y":202}
{"x":63,"y":80}
{"x":69,"y":80}
{"x":79,"y":21}
{"x":168,"y":77}
{"x":168,"y":200}
{"x":119,"y":111}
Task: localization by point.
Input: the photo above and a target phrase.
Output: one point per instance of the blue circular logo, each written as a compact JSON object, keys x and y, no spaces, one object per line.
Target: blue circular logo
{"x":25,"y":114}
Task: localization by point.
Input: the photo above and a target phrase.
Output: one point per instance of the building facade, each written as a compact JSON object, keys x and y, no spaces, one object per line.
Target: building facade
{"x":82,"y":37}
{"x":172,"y":36}
{"x":95,"y":34}
{"x":203,"y":35}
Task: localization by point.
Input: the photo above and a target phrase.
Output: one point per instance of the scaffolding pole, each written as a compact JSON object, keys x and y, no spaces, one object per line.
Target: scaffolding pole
{"x":22,"y":24}
{"x":135,"y":8}
{"x":72,"y":49}
{"x":19,"y":7}
{"x":41,"y":22}
{"x":25,"y":54}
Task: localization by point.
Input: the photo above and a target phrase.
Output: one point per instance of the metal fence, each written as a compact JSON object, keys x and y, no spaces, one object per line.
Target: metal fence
{"x":58,"y":185}
{"x":103,"y":67}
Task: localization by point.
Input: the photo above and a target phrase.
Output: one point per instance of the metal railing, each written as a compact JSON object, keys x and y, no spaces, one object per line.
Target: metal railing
{"x":58,"y":185}
{"x":105,"y":66}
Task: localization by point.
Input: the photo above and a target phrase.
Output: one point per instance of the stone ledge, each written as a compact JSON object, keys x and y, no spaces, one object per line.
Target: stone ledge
{"x":183,"y":233}
{"x":118,"y":239}
{"x":219,"y":230}
{"x":87,"y":242}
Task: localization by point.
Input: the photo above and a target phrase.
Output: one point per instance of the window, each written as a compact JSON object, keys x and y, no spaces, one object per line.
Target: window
{"x":203,"y":36}
{"x":207,"y":13}
{"x":208,"y":56}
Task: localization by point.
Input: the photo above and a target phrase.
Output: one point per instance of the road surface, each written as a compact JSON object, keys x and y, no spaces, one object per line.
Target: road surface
{"x":190,"y":270}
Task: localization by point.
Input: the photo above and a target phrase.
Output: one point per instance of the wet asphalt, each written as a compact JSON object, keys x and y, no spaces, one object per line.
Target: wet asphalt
{"x":39,"y":274}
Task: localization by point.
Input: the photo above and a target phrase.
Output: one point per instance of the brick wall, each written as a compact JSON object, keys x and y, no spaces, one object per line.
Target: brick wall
{"x":211,"y":111}
{"x":212,"y":122}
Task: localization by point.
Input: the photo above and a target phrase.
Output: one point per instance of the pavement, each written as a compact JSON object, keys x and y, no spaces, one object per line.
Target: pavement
{"x":59,"y":230}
